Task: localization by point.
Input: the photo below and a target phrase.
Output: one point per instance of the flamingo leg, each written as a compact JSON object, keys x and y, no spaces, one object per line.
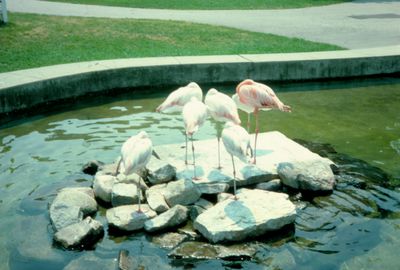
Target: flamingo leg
{"x":186,"y":150}
{"x":219,"y":153}
{"x":255,"y":138}
{"x":118,"y":165}
{"x":194,"y":161}
{"x":139,"y":199}
{"x":234,"y":178}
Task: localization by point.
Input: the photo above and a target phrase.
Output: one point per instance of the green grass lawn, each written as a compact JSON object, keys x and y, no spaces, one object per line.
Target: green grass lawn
{"x":37,"y":40}
{"x":208,"y":4}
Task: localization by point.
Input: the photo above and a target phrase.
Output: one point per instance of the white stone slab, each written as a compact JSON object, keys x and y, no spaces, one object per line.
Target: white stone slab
{"x":272,"y":149}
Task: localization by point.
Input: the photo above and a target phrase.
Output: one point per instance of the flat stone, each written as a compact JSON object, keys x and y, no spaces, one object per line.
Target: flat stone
{"x":127,"y":217}
{"x":224,"y":196}
{"x":123,"y":194}
{"x":273,"y":148}
{"x":273,"y":185}
{"x":155,"y":198}
{"x":253,"y":213}
{"x":314,"y":175}
{"x":173,"y":217}
{"x":182,"y":192}
{"x":102,"y":186}
{"x":82,"y":234}
{"x":160,"y":171}
{"x":169,"y":240}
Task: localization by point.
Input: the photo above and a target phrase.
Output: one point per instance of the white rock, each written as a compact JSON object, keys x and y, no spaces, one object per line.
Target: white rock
{"x":160,"y":171}
{"x":272,"y":148}
{"x":123,"y":194}
{"x":70,"y":206}
{"x":253,"y":213}
{"x":84,"y":233}
{"x":127,"y":217}
{"x":155,"y":198}
{"x":102,"y":186}
{"x":182,"y":192}
{"x":314,"y":175}
{"x":173,"y":217}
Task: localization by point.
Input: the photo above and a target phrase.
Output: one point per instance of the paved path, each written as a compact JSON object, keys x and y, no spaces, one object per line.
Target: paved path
{"x":359,"y":24}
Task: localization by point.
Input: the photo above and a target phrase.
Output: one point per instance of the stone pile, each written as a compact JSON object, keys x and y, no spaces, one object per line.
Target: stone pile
{"x":170,"y":197}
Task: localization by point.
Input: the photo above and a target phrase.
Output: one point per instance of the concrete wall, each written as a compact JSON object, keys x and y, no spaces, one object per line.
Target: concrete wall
{"x":33,"y":88}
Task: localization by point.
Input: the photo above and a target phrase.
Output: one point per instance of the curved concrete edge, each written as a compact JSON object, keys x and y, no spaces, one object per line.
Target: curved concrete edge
{"x":26,"y":89}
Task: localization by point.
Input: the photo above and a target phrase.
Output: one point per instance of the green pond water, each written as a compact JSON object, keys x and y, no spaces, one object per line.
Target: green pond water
{"x":349,"y":229}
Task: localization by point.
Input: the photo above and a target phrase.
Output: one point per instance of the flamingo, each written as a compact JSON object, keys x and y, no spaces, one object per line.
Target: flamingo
{"x":194,"y":114}
{"x":237,"y":142}
{"x":135,"y":154}
{"x":259,"y":96}
{"x":222,"y":109}
{"x":178,"y":98}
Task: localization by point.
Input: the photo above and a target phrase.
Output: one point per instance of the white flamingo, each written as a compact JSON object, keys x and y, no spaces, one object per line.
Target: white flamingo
{"x":178,"y":98}
{"x":194,"y":114}
{"x":237,"y":142}
{"x":135,"y":154}
{"x":222,"y":109}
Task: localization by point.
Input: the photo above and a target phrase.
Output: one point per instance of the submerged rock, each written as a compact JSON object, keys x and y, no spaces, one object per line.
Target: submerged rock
{"x":169,"y":240}
{"x":200,"y":250}
{"x":182,"y":192}
{"x":89,"y":261}
{"x":127,"y":217}
{"x":313,"y":175}
{"x":253,"y":213}
{"x":82,"y":234}
{"x":173,"y":217}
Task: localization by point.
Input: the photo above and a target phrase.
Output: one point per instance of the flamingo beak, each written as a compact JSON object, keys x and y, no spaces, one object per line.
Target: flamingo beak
{"x":154,"y":153}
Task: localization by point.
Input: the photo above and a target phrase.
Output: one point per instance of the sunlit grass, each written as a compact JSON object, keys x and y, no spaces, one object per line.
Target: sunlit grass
{"x":38,"y":40}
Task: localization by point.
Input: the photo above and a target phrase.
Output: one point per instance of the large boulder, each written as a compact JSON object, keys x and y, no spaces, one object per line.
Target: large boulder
{"x":128,"y":218}
{"x":70,"y":206}
{"x":182,"y":192}
{"x":81,"y":234}
{"x":312,"y":175}
{"x":253,"y":213}
{"x":173,"y":217}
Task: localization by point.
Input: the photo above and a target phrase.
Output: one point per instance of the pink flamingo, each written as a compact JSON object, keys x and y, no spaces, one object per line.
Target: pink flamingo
{"x":259,"y":96}
{"x":222,"y":109}
{"x":178,"y":98}
{"x":194,"y":114}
